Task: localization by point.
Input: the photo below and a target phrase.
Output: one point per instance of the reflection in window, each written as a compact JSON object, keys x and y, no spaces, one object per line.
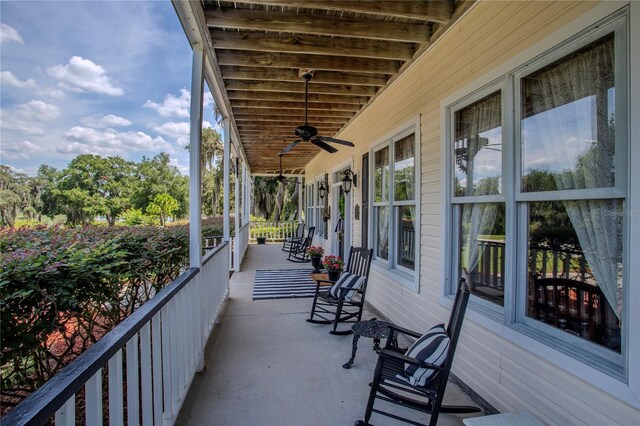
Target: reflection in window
{"x":381,"y":175}
{"x":482,"y":243}
{"x":406,"y":236}
{"x":478,"y":148}
{"x":575,"y":268}
{"x":404,"y":173}
{"x":568,"y":122}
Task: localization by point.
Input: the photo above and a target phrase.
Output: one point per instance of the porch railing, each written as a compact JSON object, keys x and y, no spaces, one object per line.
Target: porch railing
{"x":273,"y":231}
{"x":151,"y":357}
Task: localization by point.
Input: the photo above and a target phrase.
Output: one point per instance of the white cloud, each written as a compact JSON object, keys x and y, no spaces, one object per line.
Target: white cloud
{"x":7,"y":77}
{"x":27,"y":117}
{"x":172,"y":106}
{"x":19,"y":150}
{"x":106,"y":121}
{"x":177,"y":131}
{"x":8,"y":33}
{"x":181,"y":167}
{"x":83,"y":140}
{"x":83,"y":75}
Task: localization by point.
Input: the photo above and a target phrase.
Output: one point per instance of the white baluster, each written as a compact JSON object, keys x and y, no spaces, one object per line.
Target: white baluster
{"x":93,"y":399}
{"x":116,"y":404}
{"x":156,"y":348}
{"x":145,"y":364}
{"x":133,"y":405}
{"x":66,"y":416}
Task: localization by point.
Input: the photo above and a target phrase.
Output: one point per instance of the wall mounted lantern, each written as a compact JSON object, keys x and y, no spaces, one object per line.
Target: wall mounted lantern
{"x":348,"y":179}
{"x":322,"y":189}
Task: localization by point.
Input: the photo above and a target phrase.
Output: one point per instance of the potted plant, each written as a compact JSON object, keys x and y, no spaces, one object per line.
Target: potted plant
{"x":315,"y":253}
{"x":333,"y":265}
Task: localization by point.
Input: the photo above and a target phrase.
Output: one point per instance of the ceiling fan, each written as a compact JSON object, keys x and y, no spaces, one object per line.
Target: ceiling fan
{"x":308,"y":133}
{"x":281,"y":177}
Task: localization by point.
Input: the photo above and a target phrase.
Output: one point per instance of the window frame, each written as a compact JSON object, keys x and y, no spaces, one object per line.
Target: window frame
{"x":405,"y":276}
{"x":559,"y":346}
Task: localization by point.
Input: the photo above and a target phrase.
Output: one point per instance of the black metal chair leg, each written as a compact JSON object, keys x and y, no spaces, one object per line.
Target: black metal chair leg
{"x":372,"y":393}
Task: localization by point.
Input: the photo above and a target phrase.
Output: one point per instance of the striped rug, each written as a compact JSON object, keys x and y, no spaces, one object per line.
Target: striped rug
{"x":283,"y":284}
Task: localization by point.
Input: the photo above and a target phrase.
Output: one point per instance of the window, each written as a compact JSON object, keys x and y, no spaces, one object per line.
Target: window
{"x":394,"y":209}
{"x":542,"y":187}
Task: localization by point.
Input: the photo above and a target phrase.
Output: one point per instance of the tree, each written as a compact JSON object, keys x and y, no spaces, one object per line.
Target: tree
{"x":211,"y":167}
{"x":14,"y":195}
{"x":105,"y":184}
{"x":156,"y":176}
{"x":163,"y":206}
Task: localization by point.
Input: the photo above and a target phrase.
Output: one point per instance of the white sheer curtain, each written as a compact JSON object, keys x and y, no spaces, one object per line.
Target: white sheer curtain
{"x":477,"y":218}
{"x":567,"y":121}
{"x":383,"y":232}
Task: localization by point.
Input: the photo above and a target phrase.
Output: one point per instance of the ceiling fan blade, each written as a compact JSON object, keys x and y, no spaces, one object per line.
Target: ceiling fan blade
{"x":317,"y":142}
{"x":290,"y":146}
{"x":334,"y":140}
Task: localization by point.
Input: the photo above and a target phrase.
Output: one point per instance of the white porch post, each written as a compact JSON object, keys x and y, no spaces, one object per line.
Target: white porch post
{"x":245,"y":191}
{"x":226,"y":232}
{"x":300,"y":188}
{"x":195,"y":181}
{"x":236,"y":209}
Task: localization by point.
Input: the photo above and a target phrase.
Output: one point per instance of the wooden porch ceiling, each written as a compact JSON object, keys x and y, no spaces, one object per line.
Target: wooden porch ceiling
{"x":356,"y":47}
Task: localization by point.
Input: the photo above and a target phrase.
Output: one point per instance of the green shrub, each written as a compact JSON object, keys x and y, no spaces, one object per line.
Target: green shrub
{"x":62,"y":289}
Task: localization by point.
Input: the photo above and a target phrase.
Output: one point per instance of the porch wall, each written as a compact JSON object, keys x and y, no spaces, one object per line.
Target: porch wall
{"x":508,"y":376}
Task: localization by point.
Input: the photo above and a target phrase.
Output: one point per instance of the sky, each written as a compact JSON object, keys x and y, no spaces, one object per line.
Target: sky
{"x":93,"y":77}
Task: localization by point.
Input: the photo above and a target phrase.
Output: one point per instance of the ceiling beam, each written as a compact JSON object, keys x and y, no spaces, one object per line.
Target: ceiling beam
{"x":293,"y":60}
{"x":283,"y":127}
{"x":282,"y":87}
{"x":282,"y":119}
{"x":291,"y":112}
{"x":321,"y":77}
{"x":293,"y":22}
{"x":313,"y":98}
{"x":427,"y":10}
{"x":274,"y":105}
{"x":311,"y":45}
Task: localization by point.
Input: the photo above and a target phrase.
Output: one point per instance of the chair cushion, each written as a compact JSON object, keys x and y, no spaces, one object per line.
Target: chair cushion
{"x":346,"y":280}
{"x":432,"y":347}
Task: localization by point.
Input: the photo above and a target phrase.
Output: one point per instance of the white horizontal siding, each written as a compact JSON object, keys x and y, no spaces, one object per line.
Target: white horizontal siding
{"x":508,"y":376}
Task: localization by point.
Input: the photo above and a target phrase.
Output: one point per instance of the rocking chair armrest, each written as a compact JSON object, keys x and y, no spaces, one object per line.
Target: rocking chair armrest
{"x":393,"y":327}
{"x":387,"y":353}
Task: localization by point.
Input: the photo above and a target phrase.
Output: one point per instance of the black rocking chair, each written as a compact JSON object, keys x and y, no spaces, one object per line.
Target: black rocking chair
{"x":390,"y":383}
{"x":298,"y":250}
{"x":327,"y":309}
{"x":286,"y":245}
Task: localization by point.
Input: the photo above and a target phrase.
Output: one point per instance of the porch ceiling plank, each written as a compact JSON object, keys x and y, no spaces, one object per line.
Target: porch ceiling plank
{"x":313,"y":97}
{"x":285,"y":129}
{"x":284,"y":119}
{"x":274,"y":105}
{"x":259,"y":113}
{"x":296,"y":60}
{"x":282,"y":87}
{"x":293,"y":22}
{"x":325,"y":77}
{"x":434,"y":10}
{"x":312,"y":45}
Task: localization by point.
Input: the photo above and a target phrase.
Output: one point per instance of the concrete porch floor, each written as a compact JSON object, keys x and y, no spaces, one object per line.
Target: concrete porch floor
{"x":265,"y":365}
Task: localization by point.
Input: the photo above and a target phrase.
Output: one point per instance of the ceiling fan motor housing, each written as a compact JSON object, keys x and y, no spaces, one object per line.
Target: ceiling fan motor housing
{"x":306,"y":132}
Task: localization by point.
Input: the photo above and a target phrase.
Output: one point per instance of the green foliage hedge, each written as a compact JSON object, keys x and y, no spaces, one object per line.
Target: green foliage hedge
{"x":62,"y":289}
